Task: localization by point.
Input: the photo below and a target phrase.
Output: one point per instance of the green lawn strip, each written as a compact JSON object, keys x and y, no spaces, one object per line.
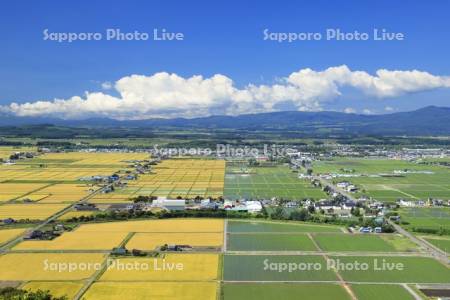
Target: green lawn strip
{"x":413,"y":269}
{"x":285,"y":291}
{"x":352,"y":242}
{"x":381,"y":291}
{"x":269,"y":242}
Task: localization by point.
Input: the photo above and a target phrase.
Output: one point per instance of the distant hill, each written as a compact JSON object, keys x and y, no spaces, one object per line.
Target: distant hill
{"x":429,"y":120}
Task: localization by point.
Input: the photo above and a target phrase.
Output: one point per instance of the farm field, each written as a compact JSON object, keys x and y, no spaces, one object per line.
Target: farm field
{"x":40,"y":266}
{"x":11,"y":191}
{"x":442,"y":243}
{"x":352,"y":242}
{"x":417,"y":181}
{"x":67,"y":167}
{"x":76,"y":240}
{"x":75,"y":214}
{"x":268,"y":182}
{"x":288,"y":291}
{"x":381,"y":291}
{"x":150,"y":241}
{"x":269,"y":242}
{"x":162,"y":226}
{"x":29,"y":211}
{"x":258,"y":268}
{"x":148,"y":235}
{"x":187,"y":178}
{"x":152,"y":290}
{"x":51,"y":181}
{"x":9,"y":234}
{"x":261,"y":226}
{"x":415,"y":270}
{"x":56,"y":288}
{"x":426,"y":218}
{"x":6,"y":151}
{"x":199,"y":267}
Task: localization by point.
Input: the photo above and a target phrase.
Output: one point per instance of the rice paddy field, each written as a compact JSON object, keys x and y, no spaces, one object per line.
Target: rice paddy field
{"x":56,"y":288}
{"x":415,"y":270}
{"x":414,"y":182}
{"x":151,"y":241}
{"x":32,"y":266}
{"x":29,"y":211}
{"x":268,"y":182}
{"x":152,"y":290}
{"x":270,"y":242}
{"x":229,"y":259}
{"x":352,"y":242}
{"x":381,"y":291}
{"x":288,"y":291}
{"x":274,"y":227}
{"x":9,"y":234}
{"x":198,"y":267}
{"x":426,"y":217}
{"x":67,"y":167}
{"x":442,"y":243}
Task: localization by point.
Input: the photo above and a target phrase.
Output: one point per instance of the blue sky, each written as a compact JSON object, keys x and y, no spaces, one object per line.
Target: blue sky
{"x":220,"y":38}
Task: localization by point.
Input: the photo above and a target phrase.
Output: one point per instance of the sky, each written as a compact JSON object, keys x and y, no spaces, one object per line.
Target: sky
{"x":231,"y":58}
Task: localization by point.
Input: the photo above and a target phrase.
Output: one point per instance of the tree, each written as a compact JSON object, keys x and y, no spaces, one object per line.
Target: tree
{"x":278,"y":214}
{"x":311,"y":209}
{"x":300,"y":215}
{"x":10,"y":293}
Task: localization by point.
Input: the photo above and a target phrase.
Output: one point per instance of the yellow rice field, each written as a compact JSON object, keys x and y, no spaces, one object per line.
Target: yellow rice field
{"x":56,"y":288}
{"x":29,"y":211}
{"x":40,"y":266}
{"x":153,"y":290}
{"x":164,"y":225}
{"x":63,"y":193}
{"x":199,"y":267}
{"x":76,"y":240}
{"x":72,"y":214}
{"x":150,"y":241}
{"x":9,"y":191}
{"x":8,"y":234}
{"x":182,"y":177}
{"x":88,"y":158}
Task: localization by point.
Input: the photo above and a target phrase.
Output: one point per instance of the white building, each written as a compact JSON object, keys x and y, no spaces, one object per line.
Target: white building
{"x":253,"y":206}
{"x":169,"y":204}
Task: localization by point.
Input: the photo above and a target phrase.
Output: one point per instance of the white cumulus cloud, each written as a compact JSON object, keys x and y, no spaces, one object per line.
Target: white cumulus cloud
{"x":170,"y":95}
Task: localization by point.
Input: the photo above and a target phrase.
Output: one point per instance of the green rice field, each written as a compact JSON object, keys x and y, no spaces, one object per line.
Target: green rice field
{"x":273,"y":291}
{"x":269,"y":242}
{"x":418,"y":181}
{"x":265,"y":268}
{"x":253,"y":226}
{"x":415,"y":270}
{"x":441,"y":243}
{"x":381,"y":291}
{"x":268,"y":182}
{"x":352,"y":242}
{"x":426,"y":217}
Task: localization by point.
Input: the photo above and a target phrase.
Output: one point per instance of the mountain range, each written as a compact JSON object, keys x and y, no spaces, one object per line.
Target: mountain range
{"x":430,"y":120}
